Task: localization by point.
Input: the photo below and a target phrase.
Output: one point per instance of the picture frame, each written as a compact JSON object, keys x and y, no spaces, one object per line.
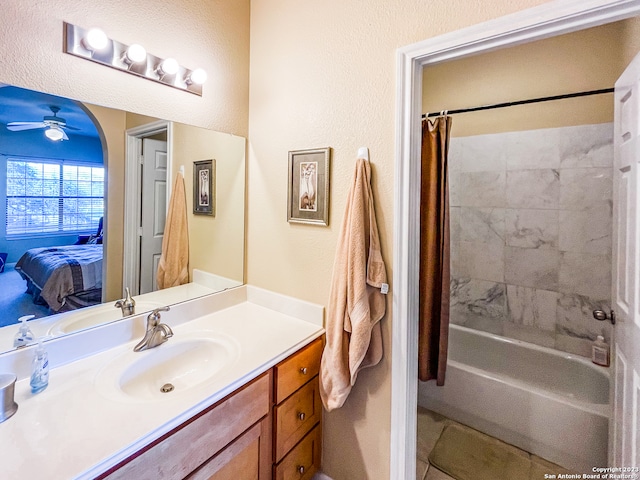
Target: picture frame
{"x":204,"y":193}
{"x":308,"y":189}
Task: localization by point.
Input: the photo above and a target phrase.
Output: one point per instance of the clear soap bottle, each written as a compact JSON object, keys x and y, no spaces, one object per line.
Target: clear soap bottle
{"x":39,"y":369}
{"x":24,"y":336}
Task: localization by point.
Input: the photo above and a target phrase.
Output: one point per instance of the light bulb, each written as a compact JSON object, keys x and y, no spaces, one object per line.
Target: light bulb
{"x":168,"y":67}
{"x":198,"y":76}
{"x":95,"y":39}
{"x":54,"y":133}
{"x":136,"y":53}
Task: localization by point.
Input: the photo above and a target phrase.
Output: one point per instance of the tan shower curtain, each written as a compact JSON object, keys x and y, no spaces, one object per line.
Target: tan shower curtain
{"x":434,"y":251}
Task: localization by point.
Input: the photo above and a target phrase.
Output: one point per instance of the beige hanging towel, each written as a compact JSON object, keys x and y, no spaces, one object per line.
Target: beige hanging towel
{"x":173,"y":268}
{"x":356,"y":302}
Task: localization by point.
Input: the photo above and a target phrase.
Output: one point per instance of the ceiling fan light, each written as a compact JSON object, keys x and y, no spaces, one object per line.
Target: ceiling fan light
{"x":54,"y":133}
{"x":135,"y":53}
{"x":95,"y":39}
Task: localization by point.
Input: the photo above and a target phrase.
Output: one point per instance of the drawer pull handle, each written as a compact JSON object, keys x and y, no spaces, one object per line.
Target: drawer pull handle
{"x":301,"y":470}
{"x":302,"y":416}
{"x":303,"y":370}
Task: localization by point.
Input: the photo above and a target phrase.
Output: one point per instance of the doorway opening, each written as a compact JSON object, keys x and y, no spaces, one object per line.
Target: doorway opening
{"x":530,"y":25}
{"x":148,"y":166}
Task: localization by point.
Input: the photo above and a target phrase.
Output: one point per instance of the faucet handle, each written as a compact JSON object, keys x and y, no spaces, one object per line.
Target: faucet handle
{"x":154,"y":316}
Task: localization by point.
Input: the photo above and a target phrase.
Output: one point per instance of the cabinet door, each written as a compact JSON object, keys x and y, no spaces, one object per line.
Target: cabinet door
{"x":182,"y":451}
{"x":244,"y":459}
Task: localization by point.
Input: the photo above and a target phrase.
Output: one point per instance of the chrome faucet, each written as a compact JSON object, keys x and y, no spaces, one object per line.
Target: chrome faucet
{"x":127,"y":304}
{"x":157,"y":333}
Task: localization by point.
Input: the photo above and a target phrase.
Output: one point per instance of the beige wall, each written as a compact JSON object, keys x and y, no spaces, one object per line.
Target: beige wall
{"x":586,"y":60}
{"x":323,"y":74}
{"x":631,"y":31}
{"x":212,"y":34}
{"x":112,"y":122}
{"x":216,"y":244}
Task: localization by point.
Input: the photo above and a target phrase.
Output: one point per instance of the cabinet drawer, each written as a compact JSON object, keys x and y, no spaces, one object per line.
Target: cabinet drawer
{"x":296,"y":416}
{"x":303,"y":461}
{"x":298,"y":369}
{"x":184,"y":449}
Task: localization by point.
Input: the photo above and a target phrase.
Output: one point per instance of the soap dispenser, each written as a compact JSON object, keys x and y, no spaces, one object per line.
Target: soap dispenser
{"x":39,"y":369}
{"x":24,"y":336}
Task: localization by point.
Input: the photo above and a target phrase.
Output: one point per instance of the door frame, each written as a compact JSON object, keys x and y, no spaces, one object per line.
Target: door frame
{"x":537,"y":23}
{"x":132,"y":188}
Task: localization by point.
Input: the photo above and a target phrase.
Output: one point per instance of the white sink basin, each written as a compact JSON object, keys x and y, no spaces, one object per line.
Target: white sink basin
{"x":92,"y":316}
{"x":184,"y":362}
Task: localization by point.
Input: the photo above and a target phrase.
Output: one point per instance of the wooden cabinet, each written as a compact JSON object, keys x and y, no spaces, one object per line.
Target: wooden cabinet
{"x":231,"y":436}
{"x":269,"y":428}
{"x":297,"y":415}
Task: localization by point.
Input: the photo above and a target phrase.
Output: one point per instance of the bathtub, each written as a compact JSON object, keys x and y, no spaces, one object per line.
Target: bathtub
{"x":552,"y":404}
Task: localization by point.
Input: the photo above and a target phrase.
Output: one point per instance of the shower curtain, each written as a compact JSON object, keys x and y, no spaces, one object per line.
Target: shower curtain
{"x":434,"y":251}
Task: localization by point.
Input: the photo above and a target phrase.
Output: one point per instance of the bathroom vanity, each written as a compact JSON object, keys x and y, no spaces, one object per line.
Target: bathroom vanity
{"x":244,"y":366}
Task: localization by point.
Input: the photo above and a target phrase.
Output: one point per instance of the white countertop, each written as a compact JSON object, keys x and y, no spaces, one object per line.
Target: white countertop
{"x":70,"y":430}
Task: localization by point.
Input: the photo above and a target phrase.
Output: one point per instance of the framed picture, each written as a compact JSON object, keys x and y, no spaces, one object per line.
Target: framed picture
{"x":204,"y":193}
{"x":308,"y":192}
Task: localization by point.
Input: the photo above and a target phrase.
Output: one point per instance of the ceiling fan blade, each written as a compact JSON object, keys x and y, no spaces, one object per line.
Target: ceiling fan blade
{"x":17,"y":126}
{"x":69,"y":128}
{"x":64,"y":135}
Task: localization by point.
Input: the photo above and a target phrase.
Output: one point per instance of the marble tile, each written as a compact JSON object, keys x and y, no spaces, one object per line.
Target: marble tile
{"x":455,"y":152}
{"x":581,"y":188}
{"x":482,"y":225}
{"x":586,"y":231}
{"x":482,"y":189}
{"x":575,"y":317}
{"x":454,"y":224}
{"x":533,"y":188}
{"x":481,"y":261}
{"x":454,"y":189}
{"x":532,"y":149}
{"x":529,"y":267}
{"x":532,"y":307}
{"x":585,"y":274}
{"x":577,"y":346}
{"x":528,"y":228}
{"x":478,"y":302}
{"x":479,"y":153}
{"x":534,"y":335}
{"x":586,"y":146}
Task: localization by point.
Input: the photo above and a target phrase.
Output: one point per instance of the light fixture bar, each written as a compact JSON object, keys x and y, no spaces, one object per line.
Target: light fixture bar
{"x":115,"y":55}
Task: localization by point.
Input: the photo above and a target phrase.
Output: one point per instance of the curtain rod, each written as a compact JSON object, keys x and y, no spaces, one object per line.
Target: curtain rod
{"x":520,"y":102}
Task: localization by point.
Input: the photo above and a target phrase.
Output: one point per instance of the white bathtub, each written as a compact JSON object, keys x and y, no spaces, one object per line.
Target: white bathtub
{"x":550,"y":403}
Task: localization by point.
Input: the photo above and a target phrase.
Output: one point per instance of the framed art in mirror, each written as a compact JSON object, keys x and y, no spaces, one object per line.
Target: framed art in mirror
{"x":204,"y":197}
{"x":308,"y":190}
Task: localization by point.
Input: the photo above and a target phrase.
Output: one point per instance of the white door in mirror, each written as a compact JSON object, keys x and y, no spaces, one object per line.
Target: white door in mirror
{"x":154,"y":210}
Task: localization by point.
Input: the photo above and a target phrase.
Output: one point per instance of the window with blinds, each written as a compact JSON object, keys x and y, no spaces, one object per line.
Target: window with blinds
{"x":48,"y":196}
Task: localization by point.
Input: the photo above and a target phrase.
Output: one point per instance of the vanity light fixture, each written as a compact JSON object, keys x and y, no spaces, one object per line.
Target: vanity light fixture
{"x":95,"y":39}
{"x":135,"y":53}
{"x":198,"y":76}
{"x":94,"y":45}
{"x":168,"y":66}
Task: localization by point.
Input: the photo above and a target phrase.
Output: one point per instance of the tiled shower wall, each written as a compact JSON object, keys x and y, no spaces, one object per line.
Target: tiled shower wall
{"x":531,"y":234}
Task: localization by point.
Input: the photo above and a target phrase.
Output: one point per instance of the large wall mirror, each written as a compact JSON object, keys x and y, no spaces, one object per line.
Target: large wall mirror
{"x":85,"y":189}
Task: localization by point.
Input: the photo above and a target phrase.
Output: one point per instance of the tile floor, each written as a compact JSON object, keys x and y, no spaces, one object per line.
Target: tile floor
{"x":430,"y":426}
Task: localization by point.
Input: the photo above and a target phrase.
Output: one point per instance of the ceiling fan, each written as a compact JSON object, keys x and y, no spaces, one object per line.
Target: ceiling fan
{"x":54,"y":125}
